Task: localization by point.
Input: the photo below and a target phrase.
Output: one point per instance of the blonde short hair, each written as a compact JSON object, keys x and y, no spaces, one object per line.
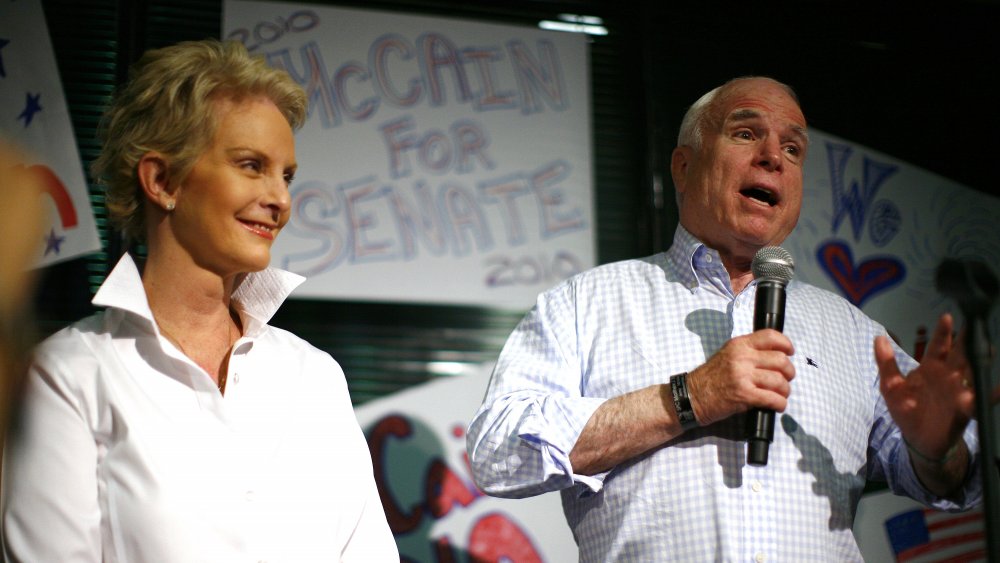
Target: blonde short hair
{"x":167,"y":106}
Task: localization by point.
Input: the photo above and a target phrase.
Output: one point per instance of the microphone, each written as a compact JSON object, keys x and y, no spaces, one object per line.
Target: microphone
{"x":773,"y":268}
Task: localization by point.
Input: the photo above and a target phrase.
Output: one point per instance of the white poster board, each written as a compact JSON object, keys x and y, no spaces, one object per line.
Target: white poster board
{"x":874,"y":230}
{"x":34,"y":115}
{"x":443,"y":161}
{"x":417,"y":440}
{"x":892,"y":528}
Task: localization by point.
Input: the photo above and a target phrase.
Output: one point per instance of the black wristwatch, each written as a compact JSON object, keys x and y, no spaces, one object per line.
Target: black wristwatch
{"x":682,"y":402}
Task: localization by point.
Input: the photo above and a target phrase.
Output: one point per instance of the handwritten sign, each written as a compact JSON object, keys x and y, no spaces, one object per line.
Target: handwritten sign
{"x":435,"y":511}
{"x":874,"y":229}
{"x":442,"y":160}
{"x":35,"y":117}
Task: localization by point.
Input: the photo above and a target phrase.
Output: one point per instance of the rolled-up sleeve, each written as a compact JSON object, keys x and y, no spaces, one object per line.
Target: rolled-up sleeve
{"x":534,"y":411}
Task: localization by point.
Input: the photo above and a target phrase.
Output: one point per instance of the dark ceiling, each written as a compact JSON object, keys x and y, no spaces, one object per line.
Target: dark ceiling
{"x":914,"y":82}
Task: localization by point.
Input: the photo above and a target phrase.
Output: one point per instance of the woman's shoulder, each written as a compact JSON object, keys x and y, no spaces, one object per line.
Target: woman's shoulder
{"x":275,"y":336}
{"x":290,"y":347}
{"x":292,"y":358}
{"x":75,"y":342}
{"x":74,"y":358}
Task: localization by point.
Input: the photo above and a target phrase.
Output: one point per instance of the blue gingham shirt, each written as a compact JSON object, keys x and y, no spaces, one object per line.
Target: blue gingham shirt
{"x":625,"y":326}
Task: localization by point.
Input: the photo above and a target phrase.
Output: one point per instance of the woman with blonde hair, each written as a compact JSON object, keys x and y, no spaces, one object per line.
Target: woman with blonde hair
{"x":177,"y":425}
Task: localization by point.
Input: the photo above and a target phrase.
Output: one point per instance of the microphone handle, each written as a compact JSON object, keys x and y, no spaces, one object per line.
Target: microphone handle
{"x":769,"y":307}
{"x":768,"y":312}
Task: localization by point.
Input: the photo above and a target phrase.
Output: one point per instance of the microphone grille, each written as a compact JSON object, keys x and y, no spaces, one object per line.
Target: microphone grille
{"x":773,"y":262}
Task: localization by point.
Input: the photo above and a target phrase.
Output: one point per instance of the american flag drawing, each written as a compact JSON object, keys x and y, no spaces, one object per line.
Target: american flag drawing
{"x":923,"y":536}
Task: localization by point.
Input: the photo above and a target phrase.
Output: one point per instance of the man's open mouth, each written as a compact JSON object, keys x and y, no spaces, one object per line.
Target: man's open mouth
{"x":763,"y":195}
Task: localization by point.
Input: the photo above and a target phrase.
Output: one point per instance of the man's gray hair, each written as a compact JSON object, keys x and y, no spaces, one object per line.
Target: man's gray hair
{"x":696,"y":119}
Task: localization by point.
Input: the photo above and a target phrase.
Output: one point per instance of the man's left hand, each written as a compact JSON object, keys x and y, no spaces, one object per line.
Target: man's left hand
{"x":932,"y":404}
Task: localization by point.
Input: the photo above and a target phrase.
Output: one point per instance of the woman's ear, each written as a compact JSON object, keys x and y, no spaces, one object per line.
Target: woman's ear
{"x":154,"y":177}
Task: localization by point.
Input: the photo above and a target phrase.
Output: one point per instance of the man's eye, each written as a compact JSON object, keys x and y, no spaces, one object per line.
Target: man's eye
{"x":793,"y":150}
{"x":745,"y":135}
{"x":288,"y":179}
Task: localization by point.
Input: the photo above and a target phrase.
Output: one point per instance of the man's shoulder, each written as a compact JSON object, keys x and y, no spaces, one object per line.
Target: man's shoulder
{"x":614,"y":282}
{"x":631,"y":268}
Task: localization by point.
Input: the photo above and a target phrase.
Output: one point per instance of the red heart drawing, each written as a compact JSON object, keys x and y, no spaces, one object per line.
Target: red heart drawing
{"x":859,"y":283}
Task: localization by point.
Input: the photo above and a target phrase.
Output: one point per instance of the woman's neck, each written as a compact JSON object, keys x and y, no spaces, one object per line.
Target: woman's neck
{"x":191,"y":306}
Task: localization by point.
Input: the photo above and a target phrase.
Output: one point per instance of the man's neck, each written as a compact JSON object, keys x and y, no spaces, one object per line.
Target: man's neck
{"x":739,"y":281}
{"x":739,"y":266}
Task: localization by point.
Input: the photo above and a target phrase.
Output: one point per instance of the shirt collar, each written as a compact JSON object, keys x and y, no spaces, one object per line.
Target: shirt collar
{"x":256,"y":296}
{"x":681,"y":254}
{"x":694,"y":262}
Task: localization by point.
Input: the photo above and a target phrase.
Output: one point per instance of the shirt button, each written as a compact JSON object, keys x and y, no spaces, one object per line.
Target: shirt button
{"x":708,"y":258}
{"x":756,"y":488}
{"x":759,"y":558}
{"x":249,"y":496}
{"x":236,"y":377}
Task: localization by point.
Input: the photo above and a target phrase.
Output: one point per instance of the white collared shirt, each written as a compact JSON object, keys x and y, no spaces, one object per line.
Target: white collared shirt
{"x":128,"y":451}
{"x":628,"y":325}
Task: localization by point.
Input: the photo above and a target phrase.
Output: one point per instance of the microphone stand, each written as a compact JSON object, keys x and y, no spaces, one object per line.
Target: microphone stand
{"x":977,"y":349}
{"x":975,"y":289}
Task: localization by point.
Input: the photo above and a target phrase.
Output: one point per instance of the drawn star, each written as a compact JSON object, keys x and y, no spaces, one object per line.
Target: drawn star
{"x":31,"y":107}
{"x":53,"y":242}
{"x":3,"y":73}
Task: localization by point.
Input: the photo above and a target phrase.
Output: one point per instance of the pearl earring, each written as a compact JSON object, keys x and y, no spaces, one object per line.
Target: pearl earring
{"x":170,"y":206}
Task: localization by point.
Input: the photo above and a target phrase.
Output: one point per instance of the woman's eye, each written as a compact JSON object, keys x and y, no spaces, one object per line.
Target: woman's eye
{"x":289,"y":178}
{"x":251,"y":165}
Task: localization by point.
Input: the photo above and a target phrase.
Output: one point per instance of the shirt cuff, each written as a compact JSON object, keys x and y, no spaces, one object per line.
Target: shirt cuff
{"x":966,"y":496}
{"x":561,"y":423}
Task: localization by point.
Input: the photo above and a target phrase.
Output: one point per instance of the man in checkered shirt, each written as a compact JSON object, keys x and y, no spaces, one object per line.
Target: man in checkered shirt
{"x":626,"y":387}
